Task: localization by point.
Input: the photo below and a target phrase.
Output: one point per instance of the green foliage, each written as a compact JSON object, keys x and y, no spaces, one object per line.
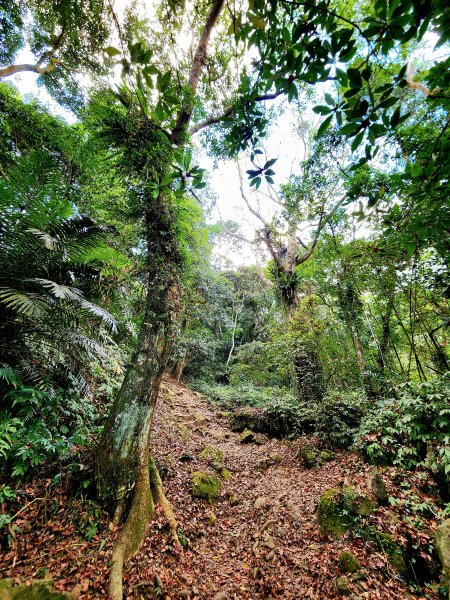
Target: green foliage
{"x":65,"y":38}
{"x":337,"y":417}
{"x":39,"y":426}
{"x":52,"y":258}
{"x":411,"y":428}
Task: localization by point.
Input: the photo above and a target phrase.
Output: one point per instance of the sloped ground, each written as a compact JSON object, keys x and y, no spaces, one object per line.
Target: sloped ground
{"x":263,"y":544}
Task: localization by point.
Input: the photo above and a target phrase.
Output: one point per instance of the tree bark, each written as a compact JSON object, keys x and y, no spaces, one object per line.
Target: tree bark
{"x":123,"y":447}
{"x":126,"y":433}
{"x":123,"y":477}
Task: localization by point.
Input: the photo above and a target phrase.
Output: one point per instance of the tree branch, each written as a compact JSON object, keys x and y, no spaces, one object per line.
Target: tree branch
{"x":246,"y":200}
{"x":37,"y":67}
{"x":210,"y":121}
{"x":13,"y":69}
{"x":229,"y":111}
{"x":185,"y":114}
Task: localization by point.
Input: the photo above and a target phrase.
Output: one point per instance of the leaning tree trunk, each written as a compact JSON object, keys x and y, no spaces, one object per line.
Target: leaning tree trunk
{"x":125,"y":483}
{"x":124,"y":444}
{"x":126,"y":480}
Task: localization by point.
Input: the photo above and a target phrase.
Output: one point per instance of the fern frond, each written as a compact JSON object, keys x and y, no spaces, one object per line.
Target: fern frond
{"x":10,"y":375}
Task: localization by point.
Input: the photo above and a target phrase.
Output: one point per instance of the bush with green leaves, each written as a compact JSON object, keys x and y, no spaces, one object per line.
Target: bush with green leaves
{"x":411,"y":428}
{"x":335,"y":419}
{"x":41,"y":425}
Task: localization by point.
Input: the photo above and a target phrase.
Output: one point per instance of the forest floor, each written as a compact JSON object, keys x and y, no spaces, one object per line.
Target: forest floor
{"x":259,"y":540}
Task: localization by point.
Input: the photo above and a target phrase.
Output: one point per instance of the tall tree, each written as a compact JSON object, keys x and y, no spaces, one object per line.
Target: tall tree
{"x":123,"y":457}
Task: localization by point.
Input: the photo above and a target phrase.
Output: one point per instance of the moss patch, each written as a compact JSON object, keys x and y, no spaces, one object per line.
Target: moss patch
{"x":226,"y":474}
{"x":307,"y":457}
{"x":390,"y":547}
{"x":361,"y":505}
{"x":247,"y":437}
{"x":348,"y":563}
{"x":340,"y":508}
{"x":214,"y":456}
{"x":330,"y":515}
{"x":205,"y":486}
{"x":325,"y":456}
{"x":38,"y":590}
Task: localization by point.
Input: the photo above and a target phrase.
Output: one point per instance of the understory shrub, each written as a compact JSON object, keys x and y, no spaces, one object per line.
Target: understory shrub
{"x":335,"y":419}
{"x":38,"y":425}
{"x":411,"y":428}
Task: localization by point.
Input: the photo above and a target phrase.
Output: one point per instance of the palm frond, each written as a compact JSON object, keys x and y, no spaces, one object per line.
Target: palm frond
{"x":23,"y":303}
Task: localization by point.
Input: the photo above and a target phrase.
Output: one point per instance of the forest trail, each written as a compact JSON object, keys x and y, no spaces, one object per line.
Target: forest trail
{"x":259,"y":539}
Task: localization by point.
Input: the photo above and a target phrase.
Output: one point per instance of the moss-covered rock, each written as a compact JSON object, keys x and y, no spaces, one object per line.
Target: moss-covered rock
{"x":247,"y":436}
{"x":339,"y":508}
{"x":41,"y":589}
{"x":205,"y":486}
{"x":263,"y":464}
{"x":377,"y":486}
{"x":360,"y":505}
{"x":325,"y":456}
{"x":226,"y":474}
{"x":342,"y":585}
{"x":246,"y":418}
{"x":233,"y":500}
{"x":215,"y":457}
{"x":330,"y":515}
{"x":276,"y":458}
{"x":348,"y":562}
{"x":443,"y":550}
{"x":307,"y":456}
{"x":260,"y":439}
{"x":212,"y":518}
{"x":390,"y":547}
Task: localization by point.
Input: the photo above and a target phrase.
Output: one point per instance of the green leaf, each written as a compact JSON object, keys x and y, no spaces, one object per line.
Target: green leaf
{"x":354,"y":76}
{"x":395,"y":117}
{"x":324,"y":126}
{"x":111,"y":51}
{"x":356,"y":142}
{"x":349,"y":129}
{"x":322,"y":110}
{"x":270,"y":162}
{"x":257,"y":22}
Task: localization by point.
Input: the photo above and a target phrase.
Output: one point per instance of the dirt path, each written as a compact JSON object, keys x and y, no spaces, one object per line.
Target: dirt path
{"x":268,"y":544}
{"x":264,"y":544}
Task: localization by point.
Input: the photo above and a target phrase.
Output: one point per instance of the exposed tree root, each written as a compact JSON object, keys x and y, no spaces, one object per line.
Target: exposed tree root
{"x":148,"y":491}
{"x":133,"y":532}
{"x":160,"y":498}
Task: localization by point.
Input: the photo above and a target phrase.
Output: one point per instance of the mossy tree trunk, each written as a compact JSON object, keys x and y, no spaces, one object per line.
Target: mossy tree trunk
{"x":124,"y":445}
{"x":307,"y":364}
{"x":128,"y":484}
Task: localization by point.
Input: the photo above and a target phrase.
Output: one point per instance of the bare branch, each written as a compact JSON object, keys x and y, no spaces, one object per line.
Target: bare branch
{"x":229,"y":111}
{"x":237,"y":235}
{"x":210,"y":121}
{"x":246,"y":200}
{"x":37,"y":67}
{"x":13,"y":69}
